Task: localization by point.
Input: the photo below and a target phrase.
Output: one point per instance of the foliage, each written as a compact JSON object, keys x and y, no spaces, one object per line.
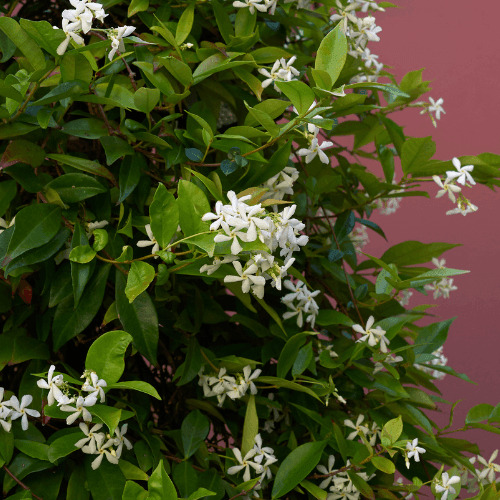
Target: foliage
{"x":156,"y":194}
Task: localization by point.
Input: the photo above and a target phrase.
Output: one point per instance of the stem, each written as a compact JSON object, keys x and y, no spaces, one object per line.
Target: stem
{"x":208,"y":360}
{"x":20,"y":483}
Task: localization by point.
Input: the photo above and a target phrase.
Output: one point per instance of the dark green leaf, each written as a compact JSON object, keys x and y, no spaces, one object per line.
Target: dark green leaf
{"x":194,"y":430}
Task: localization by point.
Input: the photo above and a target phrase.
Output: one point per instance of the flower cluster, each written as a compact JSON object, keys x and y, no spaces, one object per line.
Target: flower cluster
{"x":441,"y":287}
{"x":463,"y":176}
{"x":342,"y":487}
{"x":239,"y":222}
{"x":78,"y":404}
{"x":374,"y":336}
{"x":222,"y":385}
{"x":80,"y":19}
{"x":280,"y":184}
{"x":487,"y":474}
{"x":439,"y":360}
{"x":389,"y":359}
{"x":301,"y":301}
{"x":258,"y":459}
{"x":13,"y":409}
{"x":282,"y":71}
{"x":359,"y":237}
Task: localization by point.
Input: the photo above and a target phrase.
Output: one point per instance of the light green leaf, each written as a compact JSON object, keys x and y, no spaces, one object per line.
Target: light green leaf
{"x":193,"y":204}
{"x":250,"y":426}
{"x":185,"y":24}
{"x":160,"y":486}
{"x":332,"y":53}
{"x":417,"y":151}
{"x":115,"y":148}
{"x":146,"y":99}
{"x":88,"y":166}
{"x":82,"y":254}
{"x":136,"y":385}
{"x":140,"y":276}
{"x":299,"y":93}
{"x":106,"y":356}
{"x":164,"y":214}
{"x":384,"y":464}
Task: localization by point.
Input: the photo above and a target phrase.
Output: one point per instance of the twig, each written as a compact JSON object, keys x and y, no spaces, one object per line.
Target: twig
{"x":179,"y":460}
{"x":18,"y":481}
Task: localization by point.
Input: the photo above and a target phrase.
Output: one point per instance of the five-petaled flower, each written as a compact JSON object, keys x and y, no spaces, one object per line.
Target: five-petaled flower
{"x":52,"y":383}
{"x":446,"y":487}
{"x":462,"y":174}
{"x":373,"y":335}
{"x":21,"y":410}
{"x":413,"y":450}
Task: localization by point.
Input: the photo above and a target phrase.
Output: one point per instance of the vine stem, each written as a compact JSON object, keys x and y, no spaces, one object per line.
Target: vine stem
{"x":20,"y":483}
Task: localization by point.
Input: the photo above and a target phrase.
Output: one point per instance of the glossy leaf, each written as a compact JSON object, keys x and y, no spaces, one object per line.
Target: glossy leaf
{"x":139,"y":278}
{"x":194,"y":430}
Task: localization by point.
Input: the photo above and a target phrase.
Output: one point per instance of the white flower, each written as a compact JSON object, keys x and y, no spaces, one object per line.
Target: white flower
{"x":272,"y":76}
{"x":102,"y":449}
{"x":222,"y":382}
{"x":3,"y":223}
{"x":449,"y":188}
{"x":439,"y":263}
{"x":80,"y":16}
{"x":261,"y":452}
{"x":252,"y":5}
{"x":233,"y":234}
{"x":221,"y":214}
{"x":80,"y":408}
{"x":368,"y":4}
{"x":52,"y":383}
{"x":316,"y":149}
{"x":246,"y":277}
{"x":331,"y":462}
{"x":462,"y":174}
{"x":204,"y":382}
{"x":116,"y":37}
{"x":441,"y":288}
{"x":413,"y":451}
{"x":345,"y":15}
{"x":436,"y":106}
{"x":69,"y":29}
{"x":96,"y":225}
{"x":368,"y":57}
{"x":287,"y":71}
{"x":446,"y":487}
{"x":248,"y":379}
{"x":296,"y":310}
{"x":4,"y":405}
{"x":96,"y":388}
{"x":21,"y":410}
{"x":151,"y":241}
{"x":374,"y":336}
{"x":88,"y":442}
{"x":490,"y":467}
{"x":245,"y":463}
{"x":367,"y":31}
{"x":4,"y":415}
{"x":461,"y":209}
{"x":120,"y":440}
{"x":271,"y":5}
{"x":358,"y":428}
{"x":266,"y":471}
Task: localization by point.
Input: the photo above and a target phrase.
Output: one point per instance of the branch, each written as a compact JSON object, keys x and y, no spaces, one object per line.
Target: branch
{"x":18,"y":481}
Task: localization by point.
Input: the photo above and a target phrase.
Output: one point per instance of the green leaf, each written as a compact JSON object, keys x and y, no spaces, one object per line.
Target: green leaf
{"x":194,"y":361}
{"x":40,"y":254}
{"x":395,"y":133}
{"x":478,"y":413}
{"x":417,"y":151}
{"x":23,"y":42}
{"x":76,"y":485}
{"x":201,"y":492}
{"x":224,"y":23}
{"x":287,"y":384}
{"x":115,"y":148}
{"x":133,"y":491}
{"x":137,"y":6}
{"x":88,"y":166}
{"x":414,"y":252}
{"x":140,"y":276}
{"x":70,"y":321}
{"x":6,"y":445}
{"x":107,"y":482}
{"x":43,"y":34}
{"x":384,"y":464}
{"x":17,"y":128}
{"x":250,"y":426}
{"x":327,"y":317}
{"x":73,"y":188}
{"x":86,"y":128}
{"x":185,"y":24}
{"x":106,"y":356}
{"x":164,"y":214}
{"x":332,"y":53}
{"x":179,"y":70}
{"x":35,"y":226}
{"x":361,"y":485}
{"x":101,"y":238}
{"x":296,"y":467}
{"x":64,"y":445}
{"x":32,"y":448}
{"x":139,"y":319}
{"x":432,"y":337}
{"x":108,"y":415}
{"x":160,"y":486}
{"x":146,"y":99}
{"x":264,"y":119}
{"x":192,"y":204}
{"x":21,"y":151}
{"x":8,"y":191}
{"x":393,"y":429}
{"x":80,"y":273}
{"x":299,"y":93}
{"x":62,"y":91}
{"x":303,"y":360}
{"x":136,"y":385}
{"x":289,"y":353}
{"x":82,"y":254}
{"x":194,"y":430}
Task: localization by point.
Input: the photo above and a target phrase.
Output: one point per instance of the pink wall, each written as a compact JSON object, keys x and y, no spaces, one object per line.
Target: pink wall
{"x":456,"y":42}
